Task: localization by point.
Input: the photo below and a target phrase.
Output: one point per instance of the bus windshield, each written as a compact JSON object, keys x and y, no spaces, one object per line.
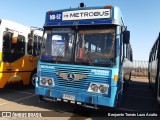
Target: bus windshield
{"x":82,"y":46}
{"x":57,"y":45}
{"x":96,"y":46}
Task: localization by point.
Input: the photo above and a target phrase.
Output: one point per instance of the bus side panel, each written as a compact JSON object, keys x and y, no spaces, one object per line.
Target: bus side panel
{"x":19,"y":70}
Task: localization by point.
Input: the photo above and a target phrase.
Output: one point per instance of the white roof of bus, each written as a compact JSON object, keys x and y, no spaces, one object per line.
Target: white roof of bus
{"x":18,"y":27}
{"x":38,"y":32}
{"x":14,"y":26}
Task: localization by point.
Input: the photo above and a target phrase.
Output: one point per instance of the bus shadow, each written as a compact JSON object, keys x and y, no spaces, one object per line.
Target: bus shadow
{"x":139,"y":97}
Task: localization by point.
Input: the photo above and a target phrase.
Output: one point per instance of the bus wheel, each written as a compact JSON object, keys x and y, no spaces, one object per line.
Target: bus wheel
{"x":33,"y":79}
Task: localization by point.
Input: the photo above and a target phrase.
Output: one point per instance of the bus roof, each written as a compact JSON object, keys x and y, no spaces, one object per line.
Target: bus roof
{"x":84,"y":16}
{"x":14,"y":26}
{"x":38,"y":32}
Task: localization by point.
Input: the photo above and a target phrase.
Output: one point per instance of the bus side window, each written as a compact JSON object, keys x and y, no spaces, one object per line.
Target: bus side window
{"x":158,"y":50}
{"x":7,"y":38}
{"x":19,"y":47}
{"x":13,"y":47}
{"x":157,"y":44}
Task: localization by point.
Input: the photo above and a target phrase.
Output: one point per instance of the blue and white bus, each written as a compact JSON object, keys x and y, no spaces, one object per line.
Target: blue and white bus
{"x":86,"y":56}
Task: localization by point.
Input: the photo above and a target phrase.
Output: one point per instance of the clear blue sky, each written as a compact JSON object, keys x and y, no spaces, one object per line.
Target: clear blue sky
{"x":141,"y":16}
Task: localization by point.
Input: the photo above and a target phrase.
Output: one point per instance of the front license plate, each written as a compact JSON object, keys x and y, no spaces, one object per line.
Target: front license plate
{"x":68,"y":97}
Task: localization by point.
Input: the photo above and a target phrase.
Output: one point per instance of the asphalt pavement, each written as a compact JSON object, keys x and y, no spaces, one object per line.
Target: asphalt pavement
{"x":23,"y":102}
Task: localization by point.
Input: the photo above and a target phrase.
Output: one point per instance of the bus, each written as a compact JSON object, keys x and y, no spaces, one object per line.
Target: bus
{"x":154,"y":68}
{"x":19,"y":49}
{"x":85,"y":57}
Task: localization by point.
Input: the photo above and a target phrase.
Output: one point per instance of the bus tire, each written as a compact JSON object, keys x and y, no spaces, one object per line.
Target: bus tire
{"x":33,"y":78}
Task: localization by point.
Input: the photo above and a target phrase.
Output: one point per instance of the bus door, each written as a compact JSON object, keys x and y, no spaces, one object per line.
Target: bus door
{"x":33,"y":49}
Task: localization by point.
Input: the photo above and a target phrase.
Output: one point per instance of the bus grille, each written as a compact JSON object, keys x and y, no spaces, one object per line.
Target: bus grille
{"x":80,"y":70}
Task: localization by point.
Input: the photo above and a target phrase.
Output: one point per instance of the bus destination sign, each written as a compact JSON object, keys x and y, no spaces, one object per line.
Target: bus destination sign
{"x":81,"y":14}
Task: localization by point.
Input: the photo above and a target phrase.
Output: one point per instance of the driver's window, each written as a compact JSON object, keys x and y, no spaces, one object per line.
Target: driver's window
{"x":7,"y":38}
{"x":58,"y":45}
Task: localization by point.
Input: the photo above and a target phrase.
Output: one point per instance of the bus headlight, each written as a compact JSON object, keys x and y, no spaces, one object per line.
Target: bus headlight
{"x":47,"y":81}
{"x":43,"y":81}
{"x":103,"y":88}
{"x":98,"y":88}
{"x":50,"y":82}
{"x":94,"y":87}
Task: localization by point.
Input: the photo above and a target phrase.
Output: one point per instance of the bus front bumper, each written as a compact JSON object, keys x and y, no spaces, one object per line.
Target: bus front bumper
{"x":78,"y":97}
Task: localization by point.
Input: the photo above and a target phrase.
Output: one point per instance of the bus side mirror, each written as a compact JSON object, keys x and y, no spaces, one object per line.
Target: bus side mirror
{"x":126,"y":37}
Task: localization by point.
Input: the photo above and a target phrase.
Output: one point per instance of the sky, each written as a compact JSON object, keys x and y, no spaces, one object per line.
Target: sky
{"x":142,"y":17}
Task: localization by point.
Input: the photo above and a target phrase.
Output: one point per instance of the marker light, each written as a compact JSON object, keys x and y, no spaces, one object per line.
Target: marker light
{"x":115,"y":78}
{"x":51,"y":11}
{"x":107,"y":7}
{"x":81,"y":4}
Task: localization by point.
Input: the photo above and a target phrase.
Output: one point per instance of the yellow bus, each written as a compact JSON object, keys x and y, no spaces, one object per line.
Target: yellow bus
{"x":19,"y":49}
